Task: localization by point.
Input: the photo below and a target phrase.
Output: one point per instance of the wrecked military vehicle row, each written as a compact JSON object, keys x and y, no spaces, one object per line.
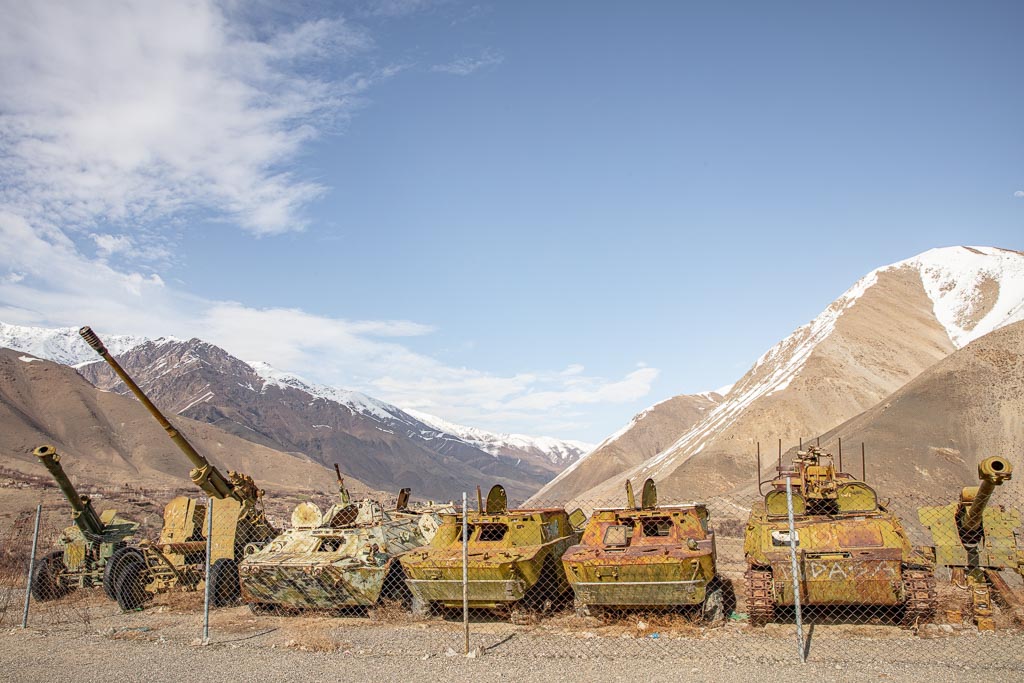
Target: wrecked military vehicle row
{"x":852,"y":551}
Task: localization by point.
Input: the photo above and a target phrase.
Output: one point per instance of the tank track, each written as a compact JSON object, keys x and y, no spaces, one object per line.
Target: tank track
{"x":922,"y":600}
{"x":760,"y":600}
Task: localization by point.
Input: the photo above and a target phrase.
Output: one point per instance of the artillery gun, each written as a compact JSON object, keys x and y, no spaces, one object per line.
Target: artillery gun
{"x":977,"y":540}
{"x":86,"y":546}
{"x":514,"y":556}
{"x":134,"y":574}
{"x":851,"y":551}
{"x":646,"y":556}
{"x":343,"y":558}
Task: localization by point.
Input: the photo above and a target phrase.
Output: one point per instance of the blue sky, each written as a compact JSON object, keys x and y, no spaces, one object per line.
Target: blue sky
{"x":532,"y":217}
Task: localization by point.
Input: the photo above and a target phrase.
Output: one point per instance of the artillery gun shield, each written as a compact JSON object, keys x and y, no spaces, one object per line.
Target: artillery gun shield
{"x":497,"y":501}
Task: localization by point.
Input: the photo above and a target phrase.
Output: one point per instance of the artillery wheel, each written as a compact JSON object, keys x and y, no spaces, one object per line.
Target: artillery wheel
{"x":46,"y":583}
{"x":919,"y":587}
{"x":760,"y":597}
{"x":225,"y":589}
{"x":713,"y":609}
{"x":110,"y":571}
{"x":130,"y":582}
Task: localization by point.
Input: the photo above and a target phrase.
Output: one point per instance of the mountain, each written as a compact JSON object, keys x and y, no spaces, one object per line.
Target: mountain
{"x":545,"y":451}
{"x":110,"y":439}
{"x":375,"y":442}
{"x":63,"y":344}
{"x":890,"y":326}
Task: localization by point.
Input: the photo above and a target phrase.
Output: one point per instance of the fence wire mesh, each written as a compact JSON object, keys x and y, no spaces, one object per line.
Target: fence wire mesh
{"x":590,"y":579}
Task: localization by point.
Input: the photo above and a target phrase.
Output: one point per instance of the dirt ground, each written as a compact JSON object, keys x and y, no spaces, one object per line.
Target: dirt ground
{"x":85,"y":638}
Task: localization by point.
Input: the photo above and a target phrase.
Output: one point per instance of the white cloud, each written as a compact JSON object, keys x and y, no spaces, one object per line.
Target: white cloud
{"x":129,"y":112}
{"x":467,"y":65}
{"x":1019,"y":193}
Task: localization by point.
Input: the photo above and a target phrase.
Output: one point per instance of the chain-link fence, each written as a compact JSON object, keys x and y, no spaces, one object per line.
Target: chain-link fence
{"x":636,"y":577}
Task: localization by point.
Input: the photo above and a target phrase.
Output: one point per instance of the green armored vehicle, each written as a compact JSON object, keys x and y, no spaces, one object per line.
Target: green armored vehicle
{"x":87,"y":545}
{"x":851,"y":550}
{"x":344,"y":557}
{"x":976,"y":540}
{"x":645,"y":556}
{"x":136,"y":573}
{"x":514,"y":555}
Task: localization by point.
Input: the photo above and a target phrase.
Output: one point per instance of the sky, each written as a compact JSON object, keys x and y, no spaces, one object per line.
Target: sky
{"x":529,"y":217}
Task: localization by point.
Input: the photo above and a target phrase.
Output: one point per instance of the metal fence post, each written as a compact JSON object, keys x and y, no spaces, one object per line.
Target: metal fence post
{"x":206,"y":588}
{"x":795,"y":570}
{"x":465,"y":570}
{"x":31,"y":566}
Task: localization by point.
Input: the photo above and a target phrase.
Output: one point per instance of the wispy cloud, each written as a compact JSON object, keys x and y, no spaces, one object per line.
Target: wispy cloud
{"x":467,"y":65}
{"x":132,"y":112}
{"x":1019,"y":194}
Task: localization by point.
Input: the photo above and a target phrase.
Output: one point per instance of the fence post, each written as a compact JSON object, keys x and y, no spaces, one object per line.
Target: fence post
{"x":31,"y":566}
{"x":794,"y":566}
{"x":206,"y":587}
{"x":465,"y":570}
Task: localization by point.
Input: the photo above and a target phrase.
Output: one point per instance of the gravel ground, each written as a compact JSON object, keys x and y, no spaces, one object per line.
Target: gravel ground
{"x":88,"y":640}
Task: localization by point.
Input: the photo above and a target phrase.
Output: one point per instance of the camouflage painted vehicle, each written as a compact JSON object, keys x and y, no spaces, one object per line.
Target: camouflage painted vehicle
{"x":851,"y":550}
{"x":514,"y":555}
{"x":86,"y":546}
{"x":646,"y":556}
{"x":977,"y":540}
{"x":136,"y":573}
{"x":342,"y":558}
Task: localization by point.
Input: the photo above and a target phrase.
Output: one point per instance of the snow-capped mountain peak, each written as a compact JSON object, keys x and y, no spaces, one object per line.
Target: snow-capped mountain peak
{"x":64,"y":345}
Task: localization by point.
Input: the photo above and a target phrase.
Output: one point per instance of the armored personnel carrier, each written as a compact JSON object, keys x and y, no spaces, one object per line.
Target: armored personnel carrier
{"x":514,"y":555}
{"x":977,"y":540}
{"x":344,"y":557}
{"x":851,"y":550}
{"x":645,"y":556}
{"x":135,"y":573}
{"x":86,"y":546}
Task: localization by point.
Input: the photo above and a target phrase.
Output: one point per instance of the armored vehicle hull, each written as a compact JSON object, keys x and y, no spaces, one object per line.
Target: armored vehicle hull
{"x":343,"y":559}
{"x":851,"y":551}
{"x":644,"y":557}
{"x":514,"y":555}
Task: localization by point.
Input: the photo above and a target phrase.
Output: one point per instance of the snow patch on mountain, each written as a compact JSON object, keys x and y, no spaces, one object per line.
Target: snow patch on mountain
{"x":557,"y":451}
{"x":64,"y":345}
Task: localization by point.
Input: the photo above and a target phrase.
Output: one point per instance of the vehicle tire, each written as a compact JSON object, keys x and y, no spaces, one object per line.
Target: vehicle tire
{"x":110,"y":571}
{"x":46,"y":584}
{"x":225,"y":589}
{"x":130,"y":582}
{"x":713,"y":609}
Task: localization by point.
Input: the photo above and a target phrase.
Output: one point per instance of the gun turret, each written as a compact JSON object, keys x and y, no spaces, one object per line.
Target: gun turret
{"x":974,"y":499}
{"x":82,"y":512}
{"x":204,"y":475}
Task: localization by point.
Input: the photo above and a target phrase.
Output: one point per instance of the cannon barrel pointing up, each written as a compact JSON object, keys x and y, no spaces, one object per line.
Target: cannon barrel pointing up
{"x":82,"y":513}
{"x":204,"y":475}
{"x":992,"y":472}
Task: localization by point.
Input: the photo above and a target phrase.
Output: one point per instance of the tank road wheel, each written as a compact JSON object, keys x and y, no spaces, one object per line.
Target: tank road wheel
{"x":225,"y":589}
{"x":919,"y":587}
{"x":110,"y":571}
{"x":760,"y":599}
{"x":713,"y":609}
{"x":130,"y":582}
{"x":46,"y":583}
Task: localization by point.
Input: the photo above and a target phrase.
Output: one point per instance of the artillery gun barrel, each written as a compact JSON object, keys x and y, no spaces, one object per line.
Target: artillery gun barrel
{"x":84,"y":516}
{"x":204,"y":475}
{"x":992,"y":472}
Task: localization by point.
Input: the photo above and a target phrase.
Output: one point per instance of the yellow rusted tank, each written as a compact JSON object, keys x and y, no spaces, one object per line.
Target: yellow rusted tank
{"x":514,"y":555}
{"x":646,"y":556}
{"x":342,"y":558}
{"x":850,"y":549}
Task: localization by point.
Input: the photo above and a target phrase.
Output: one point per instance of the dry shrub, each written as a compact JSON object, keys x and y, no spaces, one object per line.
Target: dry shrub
{"x":391,"y":612}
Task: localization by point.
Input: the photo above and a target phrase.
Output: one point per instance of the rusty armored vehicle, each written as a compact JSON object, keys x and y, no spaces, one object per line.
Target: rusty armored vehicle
{"x":514,"y":557}
{"x":342,"y":558}
{"x":977,"y":540}
{"x":646,"y":556}
{"x":851,"y":551}
{"x":86,"y":546}
{"x":136,"y":573}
